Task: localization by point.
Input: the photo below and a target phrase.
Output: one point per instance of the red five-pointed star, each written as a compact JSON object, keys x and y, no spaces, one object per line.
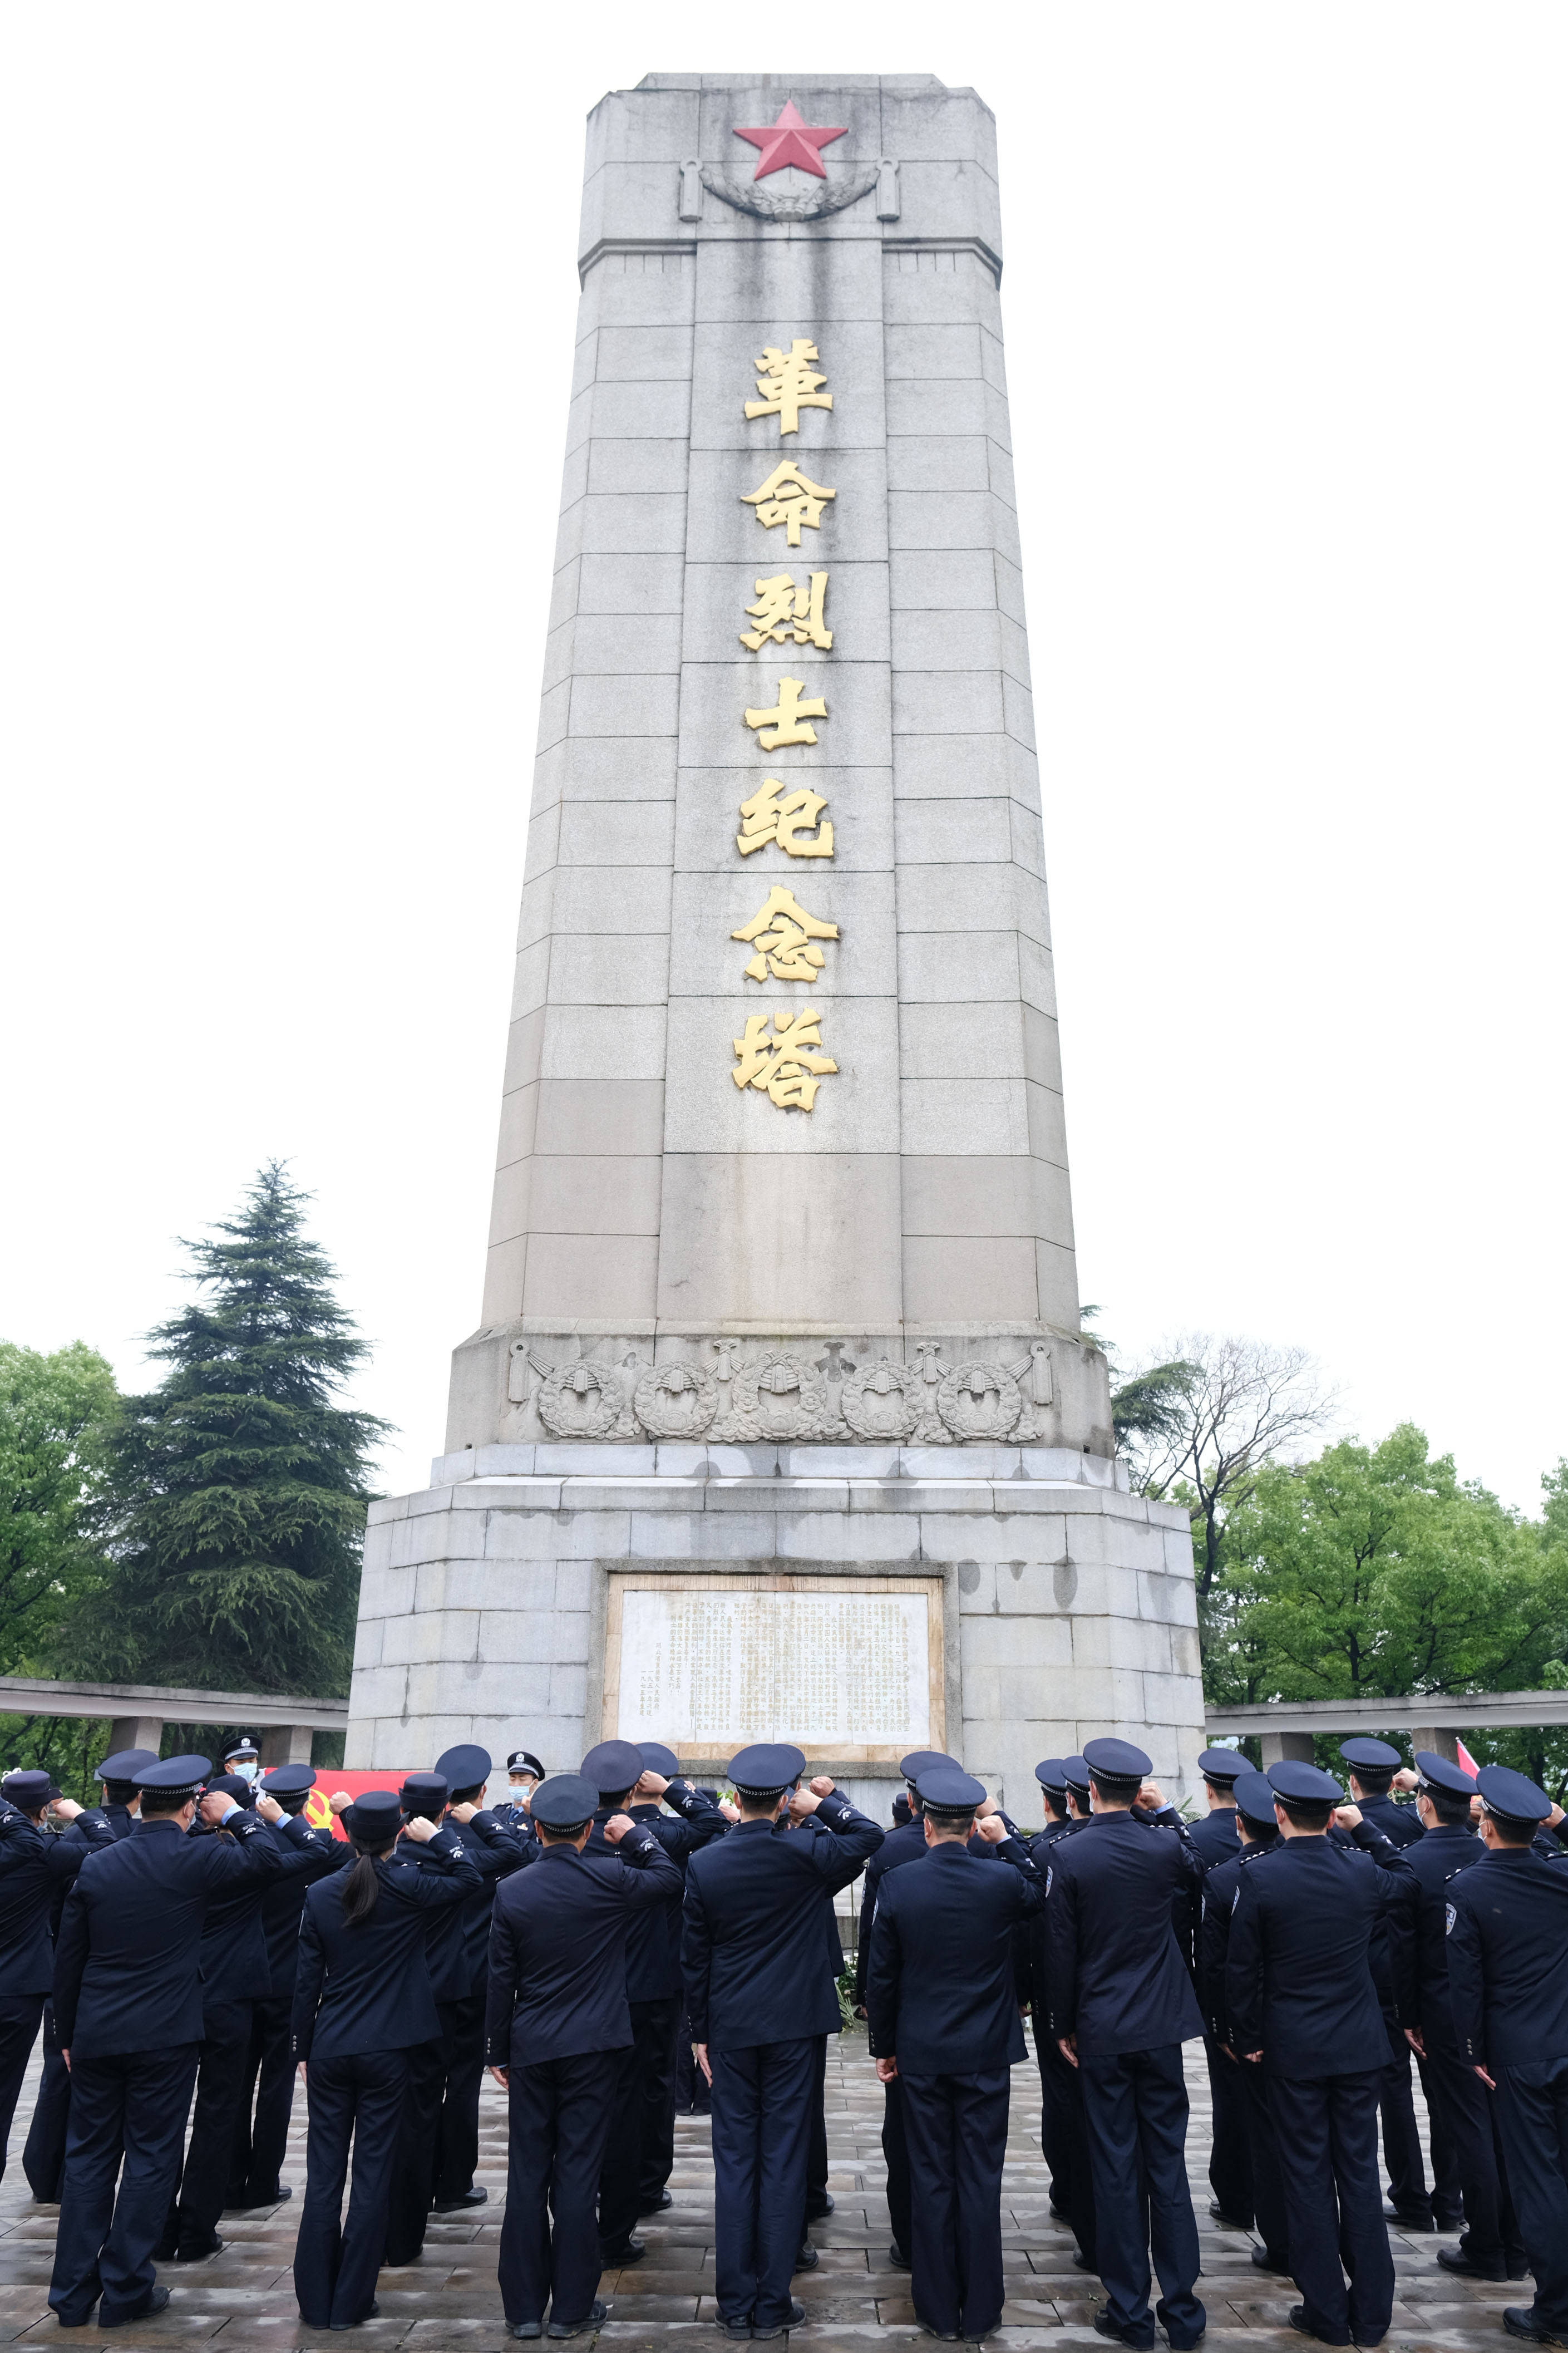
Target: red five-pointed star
{"x":789,"y":141}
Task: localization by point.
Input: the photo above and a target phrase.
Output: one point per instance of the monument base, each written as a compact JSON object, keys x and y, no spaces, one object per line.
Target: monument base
{"x":1003,"y":1602}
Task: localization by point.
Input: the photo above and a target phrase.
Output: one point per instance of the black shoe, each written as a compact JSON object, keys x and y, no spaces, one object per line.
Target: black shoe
{"x":164,"y":2253}
{"x":596,"y":2313}
{"x":1265,"y":2260}
{"x":374,"y":2314}
{"x":818,"y":2213}
{"x":796,"y":2315}
{"x":616,"y":2259}
{"x":896,"y":2257}
{"x":1409,"y":2218}
{"x":456,"y":2205}
{"x":1297,"y":2316}
{"x":197,"y":2251}
{"x":525,"y":2328}
{"x":1105,"y":2326}
{"x":1058,"y":2213}
{"x":1519,"y":2319}
{"x":1080,"y":2262}
{"x":657,"y":2206}
{"x":1225,"y":2222}
{"x":1454,"y":2259}
{"x":1367,"y":2341}
{"x":808,"y":2258}
{"x":156,"y":2299}
{"x":942,"y":2335}
{"x":738,"y":2328}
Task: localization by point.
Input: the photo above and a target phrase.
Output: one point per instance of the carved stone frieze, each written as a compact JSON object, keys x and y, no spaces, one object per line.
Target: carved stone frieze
{"x":814,"y":205}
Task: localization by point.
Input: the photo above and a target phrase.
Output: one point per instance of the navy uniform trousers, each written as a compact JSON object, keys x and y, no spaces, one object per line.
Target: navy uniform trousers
{"x":44,"y":2151}
{"x":1472,"y":2126}
{"x":1064,"y":2140}
{"x":1333,"y":2204}
{"x":817,"y":2153}
{"x":260,"y":2140}
{"x":692,"y":2098}
{"x":1267,"y":2181}
{"x":956,"y":2127}
{"x":413,"y":2178}
{"x":20,"y":2018}
{"x":357,"y":2097}
{"x":1230,"y":2156}
{"x":1136,"y":2115}
{"x":1402,"y":2143}
{"x":133,"y":2105}
{"x":896,"y":2150}
{"x":196,"y":2198}
{"x":639,"y":2155}
{"x":559,"y":2114}
{"x":457,"y":2130}
{"x":763,"y":2099}
{"x":1532,"y":2115}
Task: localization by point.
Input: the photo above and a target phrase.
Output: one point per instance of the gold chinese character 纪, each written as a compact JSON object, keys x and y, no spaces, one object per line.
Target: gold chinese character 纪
{"x":790,"y":498}
{"x":782,"y":610}
{"x":767,"y":816}
{"x":781,"y":1066}
{"x":786,"y":722}
{"x":783,"y":932}
{"x":788,"y":384}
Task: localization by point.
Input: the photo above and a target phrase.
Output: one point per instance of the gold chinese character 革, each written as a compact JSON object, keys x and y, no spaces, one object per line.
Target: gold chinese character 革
{"x":786,"y":722}
{"x":789,"y":383}
{"x":782,"y":1066}
{"x":782,"y":934}
{"x":788,"y":497}
{"x":773,"y":815}
{"x":782,"y":610}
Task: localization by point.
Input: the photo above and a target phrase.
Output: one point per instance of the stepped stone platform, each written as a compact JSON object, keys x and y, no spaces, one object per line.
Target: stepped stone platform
{"x":855,"y":2302}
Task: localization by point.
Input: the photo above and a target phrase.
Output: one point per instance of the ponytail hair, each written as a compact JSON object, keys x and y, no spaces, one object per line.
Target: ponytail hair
{"x":363,"y":1888}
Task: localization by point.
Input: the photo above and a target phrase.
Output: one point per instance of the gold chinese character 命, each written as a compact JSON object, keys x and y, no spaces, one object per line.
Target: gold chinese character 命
{"x":773,"y":815}
{"x":786,"y":722}
{"x":782,"y":1067}
{"x":790,"y":498}
{"x":782,"y":610}
{"x":789,"y":383}
{"x":783,"y":933}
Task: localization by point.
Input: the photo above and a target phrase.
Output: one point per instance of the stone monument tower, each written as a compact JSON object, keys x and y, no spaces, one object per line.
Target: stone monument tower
{"x":779,"y":1422}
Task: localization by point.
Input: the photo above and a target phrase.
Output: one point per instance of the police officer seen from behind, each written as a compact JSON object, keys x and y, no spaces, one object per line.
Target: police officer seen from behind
{"x":942,"y":2000}
{"x":127,"y":1985}
{"x":1253,"y":1798}
{"x":1062,"y":2138}
{"x":1230,"y":2160}
{"x":1304,"y":2007}
{"x":1508,"y":1933}
{"x":493,"y":1848}
{"x":556,"y":2025}
{"x":34,"y":1869}
{"x":1121,"y":2006}
{"x":361,"y":2001}
{"x":759,"y":1991}
{"x":1462,"y":2107}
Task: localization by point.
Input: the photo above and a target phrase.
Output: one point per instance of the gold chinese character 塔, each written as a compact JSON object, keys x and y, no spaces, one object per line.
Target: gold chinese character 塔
{"x":783,"y":932}
{"x":788,"y":497}
{"x":788,"y":384}
{"x":767,"y":816}
{"x":782,"y":610}
{"x":782,"y":1066}
{"x":786,"y":722}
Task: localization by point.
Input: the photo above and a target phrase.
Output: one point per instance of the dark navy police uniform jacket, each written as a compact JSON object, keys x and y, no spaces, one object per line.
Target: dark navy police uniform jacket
{"x":36,"y":1871}
{"x":558,"y":1950}
{"x":368,"y":1987}
{"x":941,"y":1990}
{"x":653,"y":1937}
{"x":1507,"y":1973}
{"x":1299,"y":1982}
{"x":1118,"y":1979}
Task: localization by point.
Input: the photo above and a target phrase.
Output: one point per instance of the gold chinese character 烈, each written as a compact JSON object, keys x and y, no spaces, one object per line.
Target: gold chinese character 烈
{"x":782,"y":610}
{"x":782,"y":1066}
{"x":788,"y":384}
{"x":773,"y":815}
{"x":790,"y":498}
{"x":786,"y":722}
{"x":783,"y":933}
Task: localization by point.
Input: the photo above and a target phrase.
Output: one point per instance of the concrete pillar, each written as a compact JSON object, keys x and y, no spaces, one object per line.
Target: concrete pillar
{"x":135,"y":1732}
{"x":286,"y":1744}
{"x":1442,"y":1743}
{"x":1276,"y":1746}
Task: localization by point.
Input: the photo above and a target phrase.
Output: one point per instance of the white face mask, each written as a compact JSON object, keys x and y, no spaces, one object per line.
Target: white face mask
{"x":245,"y":1772}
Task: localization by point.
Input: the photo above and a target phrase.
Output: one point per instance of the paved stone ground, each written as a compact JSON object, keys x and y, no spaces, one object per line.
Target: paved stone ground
{"x":854,"y":2302}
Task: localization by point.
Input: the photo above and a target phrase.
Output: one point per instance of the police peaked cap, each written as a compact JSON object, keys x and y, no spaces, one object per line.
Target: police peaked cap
{"x":181,"y":1777}
{"x":950,"y":1790}
{"x":1116,"y":1760}
{"x":522,"y":1760}
{"x":1254,"y":1796}
{"x":612,"y":1765}
{"x":1441,"y":1773}
{"x":125,"y":1764}
{"x":425,"y":1789}
{"x":1508,"y":1796}
{"x":28,"y":1790}
{"x":288,"y":1781}
{"x":232,"y":1786}
{"x":658,"y":1759}
{"x":921,"y":1761}
{"x":465,"y":1766}
{"x":564,"y":1803}
{"x":1297,"y":1784}
{"x":1051,"y":1774}
{"x":1075,"y":1773}
{"x":374,"y":1817}
{"x":902,"y":1810}
{"x":768,"y":1768}
{"x":243,"y":1746}
{"x":1375,"y":1754}
{"x":1222,"y":1765}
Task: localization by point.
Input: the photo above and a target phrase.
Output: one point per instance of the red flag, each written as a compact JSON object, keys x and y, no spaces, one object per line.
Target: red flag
{"x":1466,"y":1762}
{"x":330,"y":1778}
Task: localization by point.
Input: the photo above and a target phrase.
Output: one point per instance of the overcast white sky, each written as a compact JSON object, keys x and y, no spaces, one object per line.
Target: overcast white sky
{"x":289,"y":297}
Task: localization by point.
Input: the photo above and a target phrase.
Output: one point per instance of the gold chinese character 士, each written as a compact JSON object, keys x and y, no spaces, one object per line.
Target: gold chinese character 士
{"x":783,"y":933}
{"x":782,"y":610}
{"x":773,"y":815}
{"x":782,"y":1067}
{"x":786,"y":722}
{"x":789,"y":383}
{"x":790,"y":498}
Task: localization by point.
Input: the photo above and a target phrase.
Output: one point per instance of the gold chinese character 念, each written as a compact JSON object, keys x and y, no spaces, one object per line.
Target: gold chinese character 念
{"x":786,"y":722}
{"x":767,"y":816}
{"x":789,"y":383}
{"x":782,"y":610}
{"x":782,"y":1066}
{"x":790,"y":498}
{"x":782,"y":932}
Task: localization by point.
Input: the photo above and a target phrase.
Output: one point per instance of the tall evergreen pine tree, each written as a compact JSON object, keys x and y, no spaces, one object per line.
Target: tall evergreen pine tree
{"x":238,"y":1485}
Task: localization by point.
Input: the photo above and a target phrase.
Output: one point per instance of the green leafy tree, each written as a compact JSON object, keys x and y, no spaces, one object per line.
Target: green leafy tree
{"x":238,"y":1485}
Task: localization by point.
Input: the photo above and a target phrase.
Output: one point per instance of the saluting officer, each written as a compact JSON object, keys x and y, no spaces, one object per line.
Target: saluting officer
{"x":1491,"y":2247}
{"x":495,"y":1848}
{"x":1062,"y":2138}
{"x":128,"y":2014}
{"x":361,"y":2001}
{"x":753,"y":1960}
{"x":1252,"y":1795}
{"x":1508,"y":1932}
{"x":1230,"y":2161}
{"x":1303,"y":2007}
{"x":33,"y":1869}
{"x":556,"y":2024}
{"x":942,"y":1999}
{"x":1215,"y":1837}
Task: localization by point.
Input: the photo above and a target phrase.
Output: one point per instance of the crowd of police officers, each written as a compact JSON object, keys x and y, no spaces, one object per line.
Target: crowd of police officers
{"x":193,"y":1943}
